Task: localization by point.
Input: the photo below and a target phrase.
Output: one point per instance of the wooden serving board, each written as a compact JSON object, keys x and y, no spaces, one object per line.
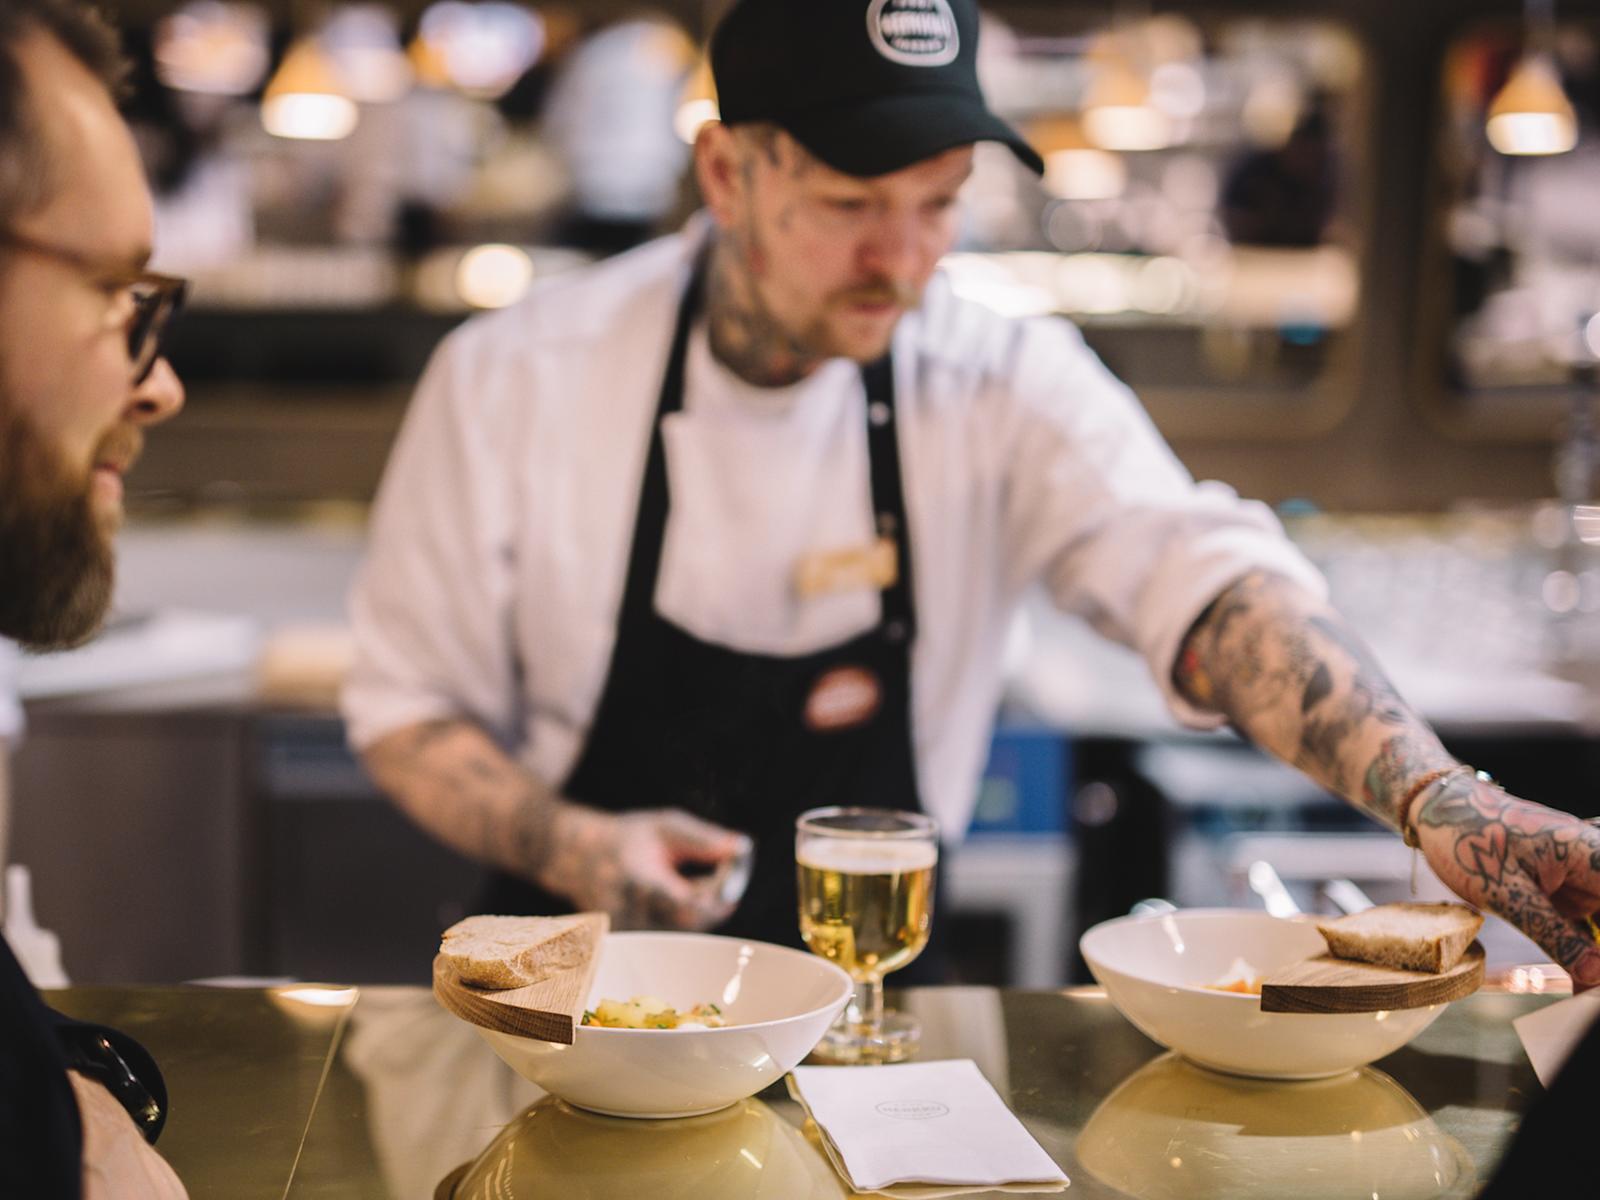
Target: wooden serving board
{"x":1326,"y":984}
{"x":548,"y":1010}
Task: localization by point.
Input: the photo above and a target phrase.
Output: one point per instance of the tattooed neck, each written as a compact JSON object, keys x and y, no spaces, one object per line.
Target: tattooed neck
{"x":745,"y":338}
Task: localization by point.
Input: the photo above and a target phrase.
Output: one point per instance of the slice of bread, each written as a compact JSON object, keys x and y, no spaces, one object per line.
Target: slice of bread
{"x":1416,"y":937}
{"x":508,"y":952}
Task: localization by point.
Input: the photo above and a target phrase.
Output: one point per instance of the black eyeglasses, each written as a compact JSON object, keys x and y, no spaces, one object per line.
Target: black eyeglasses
{"x":156,"y":299}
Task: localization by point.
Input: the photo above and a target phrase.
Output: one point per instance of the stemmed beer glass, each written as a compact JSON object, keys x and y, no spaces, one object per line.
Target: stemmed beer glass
{"x":866,"y":903}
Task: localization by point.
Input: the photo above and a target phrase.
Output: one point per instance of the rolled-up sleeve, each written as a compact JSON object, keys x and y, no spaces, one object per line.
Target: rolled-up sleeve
{"x":430,"y":606}
{"x":1102,"y":511}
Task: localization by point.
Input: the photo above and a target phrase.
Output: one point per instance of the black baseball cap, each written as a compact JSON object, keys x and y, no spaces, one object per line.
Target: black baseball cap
{"x":868,"y":86}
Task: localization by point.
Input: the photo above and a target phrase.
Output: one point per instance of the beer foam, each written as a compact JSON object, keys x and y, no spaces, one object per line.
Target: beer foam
{"x":866,"y":857}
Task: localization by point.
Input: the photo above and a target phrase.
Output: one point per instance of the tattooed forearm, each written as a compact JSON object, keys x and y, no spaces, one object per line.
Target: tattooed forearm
{"x":1292,"y":677}
{"x":1368,"y":678}
{"x":1403,"y":759}
{"x":453,"y":780}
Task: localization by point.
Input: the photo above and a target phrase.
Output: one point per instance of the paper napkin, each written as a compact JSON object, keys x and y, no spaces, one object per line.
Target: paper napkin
{"x":1553,"y":1032}
{"x":926,"y":1123}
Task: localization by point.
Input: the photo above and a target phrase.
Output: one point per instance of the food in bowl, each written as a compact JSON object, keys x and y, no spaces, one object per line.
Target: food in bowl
{"x":1240,"y":979}
{"x":1239,"y":987}
{"x":778,"y":1003}
{"x":649,"y":1012}
{"x":1155,"y":970}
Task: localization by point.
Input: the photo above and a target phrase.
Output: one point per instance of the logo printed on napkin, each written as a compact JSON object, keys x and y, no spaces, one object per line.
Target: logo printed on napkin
{"x":913,"y":1110}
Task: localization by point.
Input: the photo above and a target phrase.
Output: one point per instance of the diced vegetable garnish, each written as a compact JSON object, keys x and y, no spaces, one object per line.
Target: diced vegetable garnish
{"x":650,"y":1012}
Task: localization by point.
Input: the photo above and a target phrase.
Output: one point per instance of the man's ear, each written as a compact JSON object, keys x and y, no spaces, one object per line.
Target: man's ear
{"x":716,"y":166}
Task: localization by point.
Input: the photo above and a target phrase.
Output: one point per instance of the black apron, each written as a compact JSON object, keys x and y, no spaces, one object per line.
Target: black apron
{"x":724,"y":735}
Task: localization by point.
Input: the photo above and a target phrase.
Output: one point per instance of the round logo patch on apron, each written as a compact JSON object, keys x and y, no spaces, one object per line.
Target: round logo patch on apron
{"x":842,"y":699}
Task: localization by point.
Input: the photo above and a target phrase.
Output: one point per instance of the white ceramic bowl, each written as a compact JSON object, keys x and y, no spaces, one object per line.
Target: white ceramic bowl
{"x":1155,"y":968}
{"x":778,"y":1003}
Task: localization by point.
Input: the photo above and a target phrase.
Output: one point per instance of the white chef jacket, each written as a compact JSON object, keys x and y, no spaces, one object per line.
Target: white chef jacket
{"x":500,"y":538}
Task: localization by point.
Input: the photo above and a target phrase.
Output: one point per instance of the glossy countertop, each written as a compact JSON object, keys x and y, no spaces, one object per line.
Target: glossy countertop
{"x":378,"y":1094}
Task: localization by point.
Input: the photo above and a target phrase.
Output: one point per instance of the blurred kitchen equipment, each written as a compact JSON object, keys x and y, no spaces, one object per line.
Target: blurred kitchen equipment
{"x":38,"y":950}
{"x":1265,"y":883}
{"x":1346,"y":896}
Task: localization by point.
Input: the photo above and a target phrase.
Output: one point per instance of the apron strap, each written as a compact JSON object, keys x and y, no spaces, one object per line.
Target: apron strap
{"x":644,"y":562}
{"x":888,"y":498}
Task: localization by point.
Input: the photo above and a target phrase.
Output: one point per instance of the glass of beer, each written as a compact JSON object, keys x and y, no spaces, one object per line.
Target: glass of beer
{"x":866,"y":903}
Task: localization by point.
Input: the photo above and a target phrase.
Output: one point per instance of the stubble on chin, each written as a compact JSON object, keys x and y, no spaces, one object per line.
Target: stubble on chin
{"x":826,"y":338}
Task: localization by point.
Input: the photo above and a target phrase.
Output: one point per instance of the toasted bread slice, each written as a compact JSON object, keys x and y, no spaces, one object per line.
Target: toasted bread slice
{"x":1416,"y":937}
{"x":508,"y":952}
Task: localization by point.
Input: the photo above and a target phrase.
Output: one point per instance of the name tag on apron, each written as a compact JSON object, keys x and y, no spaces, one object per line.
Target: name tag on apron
{"x":876,"y":566}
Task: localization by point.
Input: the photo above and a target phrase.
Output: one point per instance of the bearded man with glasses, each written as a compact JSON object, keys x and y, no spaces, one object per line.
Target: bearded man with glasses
{"x":80,"y":326}
{"x":81,"y":378}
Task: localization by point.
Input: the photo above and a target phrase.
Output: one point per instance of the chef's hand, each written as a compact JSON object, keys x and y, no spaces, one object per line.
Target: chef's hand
{"x":118,"y":1164}
{"x":632,"y":865}
{"x":1536,"y":867}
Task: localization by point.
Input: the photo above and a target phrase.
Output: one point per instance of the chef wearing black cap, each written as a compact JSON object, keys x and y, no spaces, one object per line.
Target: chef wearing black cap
{"x":735,"y":525}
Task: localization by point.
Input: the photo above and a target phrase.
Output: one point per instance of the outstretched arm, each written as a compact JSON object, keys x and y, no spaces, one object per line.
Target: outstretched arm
{"x":1292,"y":677}
{"x":453,"y":780}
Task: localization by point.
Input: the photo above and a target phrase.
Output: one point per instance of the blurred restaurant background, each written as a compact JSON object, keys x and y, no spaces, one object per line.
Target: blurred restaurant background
{"x":1346,"y":251}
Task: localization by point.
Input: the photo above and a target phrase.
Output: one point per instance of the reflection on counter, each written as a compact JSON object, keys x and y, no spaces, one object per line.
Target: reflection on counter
{"x":432,"y":1096}
{"x":408,"y":1095}
{"x":746,"y":1152}
{"x":429,"y":1095}
{"x":245,"y":1070}
{"x":1172,"y":1131}
{"x":420,"y":1095}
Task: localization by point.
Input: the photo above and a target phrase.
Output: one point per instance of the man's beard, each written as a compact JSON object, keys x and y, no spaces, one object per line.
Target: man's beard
{"x":56,"y":565}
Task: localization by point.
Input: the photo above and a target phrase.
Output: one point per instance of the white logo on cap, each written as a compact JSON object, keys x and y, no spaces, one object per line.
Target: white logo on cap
{"x":917,"y":33}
